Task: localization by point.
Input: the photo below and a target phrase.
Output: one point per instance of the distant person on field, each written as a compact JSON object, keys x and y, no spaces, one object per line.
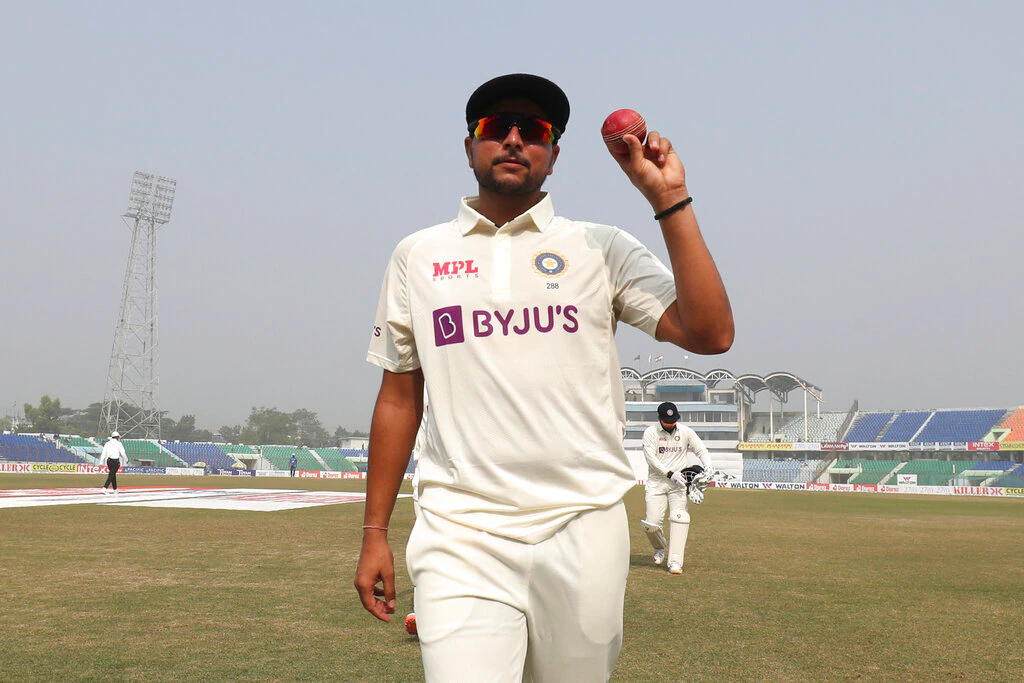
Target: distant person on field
{"x":671,"y":471}
{"x":112,"y":456}
{"x":292,"y":464}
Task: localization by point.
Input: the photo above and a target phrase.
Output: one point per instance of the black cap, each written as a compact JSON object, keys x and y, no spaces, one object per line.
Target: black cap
{"x":542,"y":92}
{"x":668,"y":413}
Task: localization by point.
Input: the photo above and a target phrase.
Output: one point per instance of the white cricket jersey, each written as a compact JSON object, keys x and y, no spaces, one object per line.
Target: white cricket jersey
{"x":667,"y":451}
{"x":112,"y":450}
{"x":514,"y":329}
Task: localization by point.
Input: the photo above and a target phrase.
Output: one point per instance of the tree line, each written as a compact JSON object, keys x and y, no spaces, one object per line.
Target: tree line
{"x":301,"y":427}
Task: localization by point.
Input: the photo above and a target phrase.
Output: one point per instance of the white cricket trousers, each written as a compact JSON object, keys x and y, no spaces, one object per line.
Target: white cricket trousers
{"x":661,"y":494}
{"x":492,"y":609}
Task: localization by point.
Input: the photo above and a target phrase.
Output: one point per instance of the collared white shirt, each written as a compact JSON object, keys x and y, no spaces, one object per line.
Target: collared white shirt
{"x":667,"y":451}
{"x":113,"y":450}
{"x":514,"y":328}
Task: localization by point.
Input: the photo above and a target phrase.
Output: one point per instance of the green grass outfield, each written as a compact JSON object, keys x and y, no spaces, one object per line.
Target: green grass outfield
{"x":778,"y":586}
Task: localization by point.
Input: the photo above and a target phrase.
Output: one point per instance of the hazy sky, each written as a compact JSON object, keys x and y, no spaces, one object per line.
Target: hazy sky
{"x":856,"y":172}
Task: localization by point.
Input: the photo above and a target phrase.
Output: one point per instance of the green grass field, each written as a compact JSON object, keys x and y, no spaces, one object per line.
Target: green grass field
{"x":778,"y":586}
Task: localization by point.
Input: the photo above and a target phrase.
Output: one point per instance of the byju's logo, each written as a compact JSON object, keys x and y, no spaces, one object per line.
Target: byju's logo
{"x":450,"y":329}
{"x":448,"y":326}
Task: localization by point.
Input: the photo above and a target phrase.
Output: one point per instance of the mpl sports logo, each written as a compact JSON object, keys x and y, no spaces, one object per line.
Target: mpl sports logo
{"x":455,"y":270}
{"x":450,"y":326}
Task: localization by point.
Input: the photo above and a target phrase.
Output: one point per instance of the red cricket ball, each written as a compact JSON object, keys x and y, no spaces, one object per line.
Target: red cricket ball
{"x":619,"y":123}
{"x":410,"y":624}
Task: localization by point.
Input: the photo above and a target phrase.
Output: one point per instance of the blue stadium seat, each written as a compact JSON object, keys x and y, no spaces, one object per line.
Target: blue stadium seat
{"x":33,"y":448}
{"x":959,"y":425}
{"x":200,"y":452}
{"x":905,"y":426}
{"x":866,"y":427}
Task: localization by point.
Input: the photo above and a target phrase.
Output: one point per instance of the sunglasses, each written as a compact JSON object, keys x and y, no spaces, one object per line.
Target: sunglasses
{"x":532,"y":129}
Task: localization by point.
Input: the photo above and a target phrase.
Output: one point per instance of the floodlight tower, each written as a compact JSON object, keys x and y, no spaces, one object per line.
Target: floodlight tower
{"x":131,"y":403}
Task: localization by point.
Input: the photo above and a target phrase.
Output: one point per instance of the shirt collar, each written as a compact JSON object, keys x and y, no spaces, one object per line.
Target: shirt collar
{"x":537,"y":218}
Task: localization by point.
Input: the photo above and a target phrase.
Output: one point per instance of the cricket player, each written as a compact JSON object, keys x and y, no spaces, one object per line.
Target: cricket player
{"x":669,"y":448}
{"x":507,"y":316}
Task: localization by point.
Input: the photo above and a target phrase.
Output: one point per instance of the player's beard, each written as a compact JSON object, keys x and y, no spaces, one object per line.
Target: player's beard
{"x":513,"y":187}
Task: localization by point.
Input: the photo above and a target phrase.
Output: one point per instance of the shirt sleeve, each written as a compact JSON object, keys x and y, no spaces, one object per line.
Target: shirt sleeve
{"x":392,"y":342}
{"x":650,"y":441}
{"x":642,"y":286}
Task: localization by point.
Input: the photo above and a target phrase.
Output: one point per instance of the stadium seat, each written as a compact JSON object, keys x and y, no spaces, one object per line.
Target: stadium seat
{"x":936,"y":472}
{"x":866,"y":427}
{"x":280,"y":456}
{"x":35,"y":448}
{"x":958,"y":425}
{"x":905,"y":426}
{"x":207,"y":453}
{"x":336,"y":460}
{"x":824,"y":427}
{"x":1015,"y":423}
{"x":780,"y":471}
{"x":868,"y":471}
{"x":149,"y":450}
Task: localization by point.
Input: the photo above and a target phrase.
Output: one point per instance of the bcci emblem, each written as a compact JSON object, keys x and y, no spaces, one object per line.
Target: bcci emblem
{"x":549,"y":263}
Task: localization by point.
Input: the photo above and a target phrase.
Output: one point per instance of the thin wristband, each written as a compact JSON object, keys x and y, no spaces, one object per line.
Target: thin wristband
{"x":672,"y":209}
{"x":374,"y":526}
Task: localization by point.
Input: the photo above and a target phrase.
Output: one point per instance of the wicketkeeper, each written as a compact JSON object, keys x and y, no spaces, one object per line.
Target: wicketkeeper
{"x":674,"y":479}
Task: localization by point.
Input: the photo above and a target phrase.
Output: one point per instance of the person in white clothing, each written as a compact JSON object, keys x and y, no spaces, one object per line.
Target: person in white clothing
{"x":113,"y":456}
{"x":506,"y":315}
{"x":672,"y":481}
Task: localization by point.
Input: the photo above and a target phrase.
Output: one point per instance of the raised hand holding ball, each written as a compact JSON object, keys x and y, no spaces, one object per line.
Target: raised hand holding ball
{"x":619,"y":123}
{"x":657,"y":171}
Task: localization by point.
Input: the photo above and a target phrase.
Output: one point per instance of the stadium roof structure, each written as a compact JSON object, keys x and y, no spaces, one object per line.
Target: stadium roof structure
{"x":779,"y":383}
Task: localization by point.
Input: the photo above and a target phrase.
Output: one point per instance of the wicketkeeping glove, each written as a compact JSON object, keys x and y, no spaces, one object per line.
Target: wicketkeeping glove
{"x":703,"y":480}
{"x":695,"y":495}
{"x":678,"y":478}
